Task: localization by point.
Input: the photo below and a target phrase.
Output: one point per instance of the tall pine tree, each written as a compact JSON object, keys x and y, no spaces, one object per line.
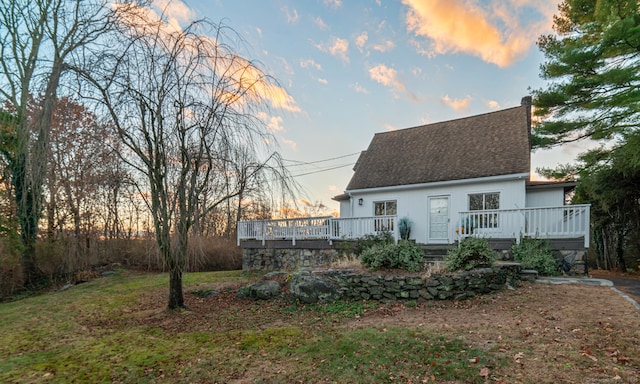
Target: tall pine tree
{"x":593,"y":68}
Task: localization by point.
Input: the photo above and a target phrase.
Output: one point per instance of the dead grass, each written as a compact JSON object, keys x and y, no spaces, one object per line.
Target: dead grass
{"x":551,"y":333}
{"x":538,"y":333}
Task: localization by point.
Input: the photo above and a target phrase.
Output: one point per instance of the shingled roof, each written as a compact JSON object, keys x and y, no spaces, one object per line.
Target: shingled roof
{"x":491,"y":144}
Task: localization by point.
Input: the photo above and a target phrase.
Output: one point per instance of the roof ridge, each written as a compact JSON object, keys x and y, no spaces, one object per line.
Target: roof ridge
{"x":452,"y":120}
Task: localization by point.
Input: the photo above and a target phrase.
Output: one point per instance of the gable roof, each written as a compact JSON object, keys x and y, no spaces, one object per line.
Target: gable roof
{"x":491,"y":144}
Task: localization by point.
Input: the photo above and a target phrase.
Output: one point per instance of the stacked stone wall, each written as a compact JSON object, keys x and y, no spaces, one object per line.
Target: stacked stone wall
{"x":454,"y":286}
{"x":286,"y":259}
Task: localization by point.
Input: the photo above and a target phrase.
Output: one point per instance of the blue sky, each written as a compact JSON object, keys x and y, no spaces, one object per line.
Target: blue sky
{"x":354,"y":68}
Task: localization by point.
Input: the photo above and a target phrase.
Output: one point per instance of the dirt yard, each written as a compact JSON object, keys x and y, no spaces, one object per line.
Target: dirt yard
{"x":568,"y":333}
{"x":543,"y":328}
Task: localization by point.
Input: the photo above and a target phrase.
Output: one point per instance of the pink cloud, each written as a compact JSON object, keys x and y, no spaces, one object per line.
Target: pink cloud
{"x":457,"y":104}
{"x":493,"y":32}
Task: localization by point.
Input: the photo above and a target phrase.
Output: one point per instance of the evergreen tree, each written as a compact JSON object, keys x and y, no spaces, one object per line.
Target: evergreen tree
{"x":593,"y":68}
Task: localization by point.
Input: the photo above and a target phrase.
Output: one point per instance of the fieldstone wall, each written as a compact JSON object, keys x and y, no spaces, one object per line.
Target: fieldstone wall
{"x":455,"y":286}
{"x":287,"y":259}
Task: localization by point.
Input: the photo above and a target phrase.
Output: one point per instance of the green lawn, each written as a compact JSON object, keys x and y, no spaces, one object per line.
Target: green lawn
{"x":115,"y":329}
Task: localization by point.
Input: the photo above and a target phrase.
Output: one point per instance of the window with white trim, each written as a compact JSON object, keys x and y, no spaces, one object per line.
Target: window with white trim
{"x":482,"y":202}
{"x":384,"y":208}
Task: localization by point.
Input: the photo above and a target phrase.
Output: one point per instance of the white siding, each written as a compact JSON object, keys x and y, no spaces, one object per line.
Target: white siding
{"x":345,"y":209}
{"x":545,"y":198}
{"x":412,"y":203}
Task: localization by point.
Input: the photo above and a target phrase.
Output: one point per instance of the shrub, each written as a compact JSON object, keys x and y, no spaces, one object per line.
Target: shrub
{"x":473,"y":252}
{"x":368,"y":241}
{"x":405,"y":255}
{"x":535,"y":254}
{"x":377,"y":256}
{"x":404,"y":228}
{"x":409,"y":256}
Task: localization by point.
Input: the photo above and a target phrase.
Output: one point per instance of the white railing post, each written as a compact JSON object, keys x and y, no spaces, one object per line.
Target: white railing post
{"x":545,"y":222}
{"x":396,"y":231}
{"x":587,"y":221}
{"x":293,"y":237}
{"x":569,"y":221}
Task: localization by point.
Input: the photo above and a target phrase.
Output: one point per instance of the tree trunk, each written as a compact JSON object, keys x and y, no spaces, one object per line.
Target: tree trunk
{"x":176,"y":267}
{"x":26,"y":209}
{"x":176,"y":297}
{"x":31,"y":167}
{"x":620,"y":250}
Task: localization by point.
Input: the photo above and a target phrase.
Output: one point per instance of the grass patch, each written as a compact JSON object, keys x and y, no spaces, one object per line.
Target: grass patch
{"x":341,"y":308}
{"x":116,"y":329}
{"x":379,"y":355}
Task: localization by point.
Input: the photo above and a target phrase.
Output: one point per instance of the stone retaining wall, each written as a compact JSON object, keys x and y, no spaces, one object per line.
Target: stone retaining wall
{"x":455,"y":286}
{"x":286,"y":259}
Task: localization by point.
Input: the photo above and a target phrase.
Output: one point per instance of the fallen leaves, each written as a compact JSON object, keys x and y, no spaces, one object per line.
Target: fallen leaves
{"x":518,"y":357}
{"x":585,"y":354}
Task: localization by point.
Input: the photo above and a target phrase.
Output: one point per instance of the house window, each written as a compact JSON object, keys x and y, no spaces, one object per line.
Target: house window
{"x":481,"y":202}
{"x":384,"y":208}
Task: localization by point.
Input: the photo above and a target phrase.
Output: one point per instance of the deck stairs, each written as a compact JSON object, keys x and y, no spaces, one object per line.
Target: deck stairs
{"x":436,"y":252}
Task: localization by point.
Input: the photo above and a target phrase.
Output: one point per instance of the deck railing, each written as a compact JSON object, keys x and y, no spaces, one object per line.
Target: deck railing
{"x":568,"y":221}
{"x":313,"y":228}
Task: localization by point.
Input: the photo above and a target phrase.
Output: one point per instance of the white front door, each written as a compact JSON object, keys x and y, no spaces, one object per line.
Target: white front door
{"x":438,"y":219}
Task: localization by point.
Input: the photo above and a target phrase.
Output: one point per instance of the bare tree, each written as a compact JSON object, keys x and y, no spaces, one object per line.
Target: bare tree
{"x":182,"y":102}
{"x":82,"y":163}
{"x":38,"y":39}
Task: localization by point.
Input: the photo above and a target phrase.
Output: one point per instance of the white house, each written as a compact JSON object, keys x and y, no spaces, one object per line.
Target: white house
{"x":452,"y":179}
{"x":461,"y":177}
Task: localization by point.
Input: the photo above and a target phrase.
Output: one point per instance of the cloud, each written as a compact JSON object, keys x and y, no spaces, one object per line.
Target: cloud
{"x":323,"y":81}
{"x":386,"y":46}
{"x":358,"y":88}
{"x":162,"y":17}
{"x":495,"y":32}
{"x":292,"y":16}
{"x":176,"y":10}
{"x":333,"y":188}
{"x":492,"y":104}
{"x":335,"y":4}
{"x":457,"y":104}
{"x":251,"y":83}
{"x":274,"y":123}
{"x":389,"y":78}
{"x":361,"y":40}
{"x":310,"y":63}
{"x":338,"y":47}
{"x":290,"y":143}
{"x":279,"y":98}
{"x":390,"y":127}
{"x":320,"y":23}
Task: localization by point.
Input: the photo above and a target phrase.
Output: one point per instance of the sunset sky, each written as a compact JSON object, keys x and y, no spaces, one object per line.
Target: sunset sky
{"x":352,"y":68}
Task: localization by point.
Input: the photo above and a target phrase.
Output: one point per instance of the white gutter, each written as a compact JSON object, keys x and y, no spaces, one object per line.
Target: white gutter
{"x":515,"y":176}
